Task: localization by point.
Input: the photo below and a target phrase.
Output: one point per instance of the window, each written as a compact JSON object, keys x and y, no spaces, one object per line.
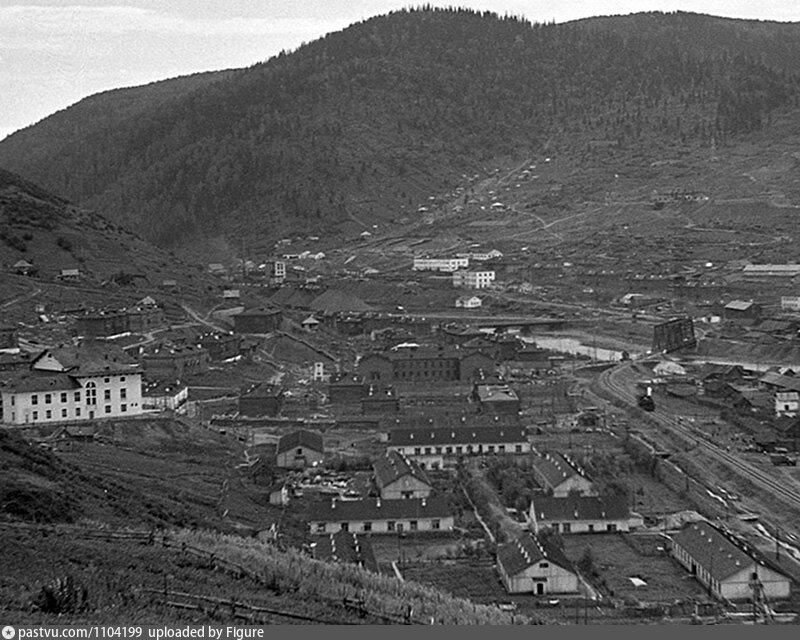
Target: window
{"x":518,"y":448}
{"x":107,"y":394}
{"x":459,"y":449}
{"x":491,"y":448}
{"x":64,"y":396}
{"x":77,"y":396}
{"x":367,"y":527}
{"x":501,"y":448}
{"x":63,"y":413}
{"x":438,"y":449}
{"x":123,"y":394}
{"x":105,"y":380}
{"x":91,"y":393}
{"x":591,"y":528}
{"x":13,"y":398}
{"x":449,"y":449}
{"x":48,"y":414}
{"x":123,"y":408}
{"x":122,"y":379}
{"x":107,"y":408}
{"x":412,"y":524}
{"x":390,"y":525}
{"x":48,"y":398}
{"x":427,"y":450}
{"x":611,"y":527}
{"x":35,"y":415}
{"x":566,"y":527}
{"x":417,"y":451}
{"x":544,"y":565}
{"x":435,"y":524}
{"x":34,"y":399}
{"x":345,"y":526}
{"x":77,"y":412}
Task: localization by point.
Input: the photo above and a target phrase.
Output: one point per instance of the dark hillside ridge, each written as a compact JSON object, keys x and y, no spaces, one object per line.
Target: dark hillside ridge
{"x":51,"y":234}
{"x":364,"y":125}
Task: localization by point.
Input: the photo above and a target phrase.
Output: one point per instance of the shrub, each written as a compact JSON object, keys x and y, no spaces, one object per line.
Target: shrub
{"x":63,"y":595}
{"x":64,"y":243}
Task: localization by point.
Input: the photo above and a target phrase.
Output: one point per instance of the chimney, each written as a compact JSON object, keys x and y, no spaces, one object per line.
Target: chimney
{"x":423,"y":502}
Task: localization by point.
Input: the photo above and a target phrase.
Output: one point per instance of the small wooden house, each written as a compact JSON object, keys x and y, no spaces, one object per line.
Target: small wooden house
{"x":300,"y":449}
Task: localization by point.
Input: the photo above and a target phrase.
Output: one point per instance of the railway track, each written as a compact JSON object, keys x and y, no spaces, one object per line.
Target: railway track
{"x":609,"y":380}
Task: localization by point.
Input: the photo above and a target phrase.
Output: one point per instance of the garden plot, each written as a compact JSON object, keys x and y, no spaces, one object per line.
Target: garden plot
{"x":631,"y":567}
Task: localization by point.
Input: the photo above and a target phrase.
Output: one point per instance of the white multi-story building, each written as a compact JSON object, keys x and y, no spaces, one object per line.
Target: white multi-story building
{"x":473,"y":279}
{"x":790,"y":303}
{"x":72,"y":384}
{"x":440,"y":264}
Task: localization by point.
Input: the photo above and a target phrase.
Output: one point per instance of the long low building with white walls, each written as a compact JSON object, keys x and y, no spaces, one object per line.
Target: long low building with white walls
{"x":726,"y":565}
{"x":433,"y":447}
{"x":379,"y":516}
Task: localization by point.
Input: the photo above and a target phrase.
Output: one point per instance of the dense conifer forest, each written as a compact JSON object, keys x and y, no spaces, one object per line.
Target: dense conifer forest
{"x":367,"y":122}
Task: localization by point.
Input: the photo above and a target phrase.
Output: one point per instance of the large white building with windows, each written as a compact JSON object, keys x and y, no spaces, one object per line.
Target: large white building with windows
{"x":440,"y":264}
{"x":68,"y":384}
{"x":473,"y":279}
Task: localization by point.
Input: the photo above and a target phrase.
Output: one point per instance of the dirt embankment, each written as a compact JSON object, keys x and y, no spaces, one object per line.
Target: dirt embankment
{"x":759,"y":354}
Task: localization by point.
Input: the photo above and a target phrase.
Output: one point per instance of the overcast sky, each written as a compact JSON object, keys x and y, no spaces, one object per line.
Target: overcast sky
{"x":55,"y":52}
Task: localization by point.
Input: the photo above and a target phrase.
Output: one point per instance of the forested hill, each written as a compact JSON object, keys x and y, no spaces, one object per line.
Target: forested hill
{"x":363,"y":125}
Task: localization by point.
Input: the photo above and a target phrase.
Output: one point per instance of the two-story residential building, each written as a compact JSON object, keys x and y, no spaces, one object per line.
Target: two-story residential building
{"x":473,"y":279}
{"x":440,"y":264}
{"x":425,"y":364}
{"x":379,"y":516}
{"x":787,"y":403}
{"x":74,"y":383}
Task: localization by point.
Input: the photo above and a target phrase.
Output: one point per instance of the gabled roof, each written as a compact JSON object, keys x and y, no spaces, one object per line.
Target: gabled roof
{"x":786,"y":383}
{"x":555,"y":468}
{"x":336,"y":300}
{"x":739,"y":305}
{"x":259,"y":311}
{"x":496,"y":393}
{"x":719,"y":552}
{"x":301,"y":438}
{"x":89,"y":358}
{"x":393,"y":466}
{"x":786,"y":424}
{"x":370,"y":509}
{"x":345,"y":546}
{"x":576,"y":508}
{"x":526,"y":551}
{"x":41,"y":381}
{"x":437,"y":436}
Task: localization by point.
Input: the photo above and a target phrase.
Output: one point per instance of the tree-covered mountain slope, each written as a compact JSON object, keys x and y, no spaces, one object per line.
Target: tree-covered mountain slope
{"x":364,"y":125}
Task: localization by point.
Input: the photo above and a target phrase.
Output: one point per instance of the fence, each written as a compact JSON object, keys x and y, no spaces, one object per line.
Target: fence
{"x":236,"y":608}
